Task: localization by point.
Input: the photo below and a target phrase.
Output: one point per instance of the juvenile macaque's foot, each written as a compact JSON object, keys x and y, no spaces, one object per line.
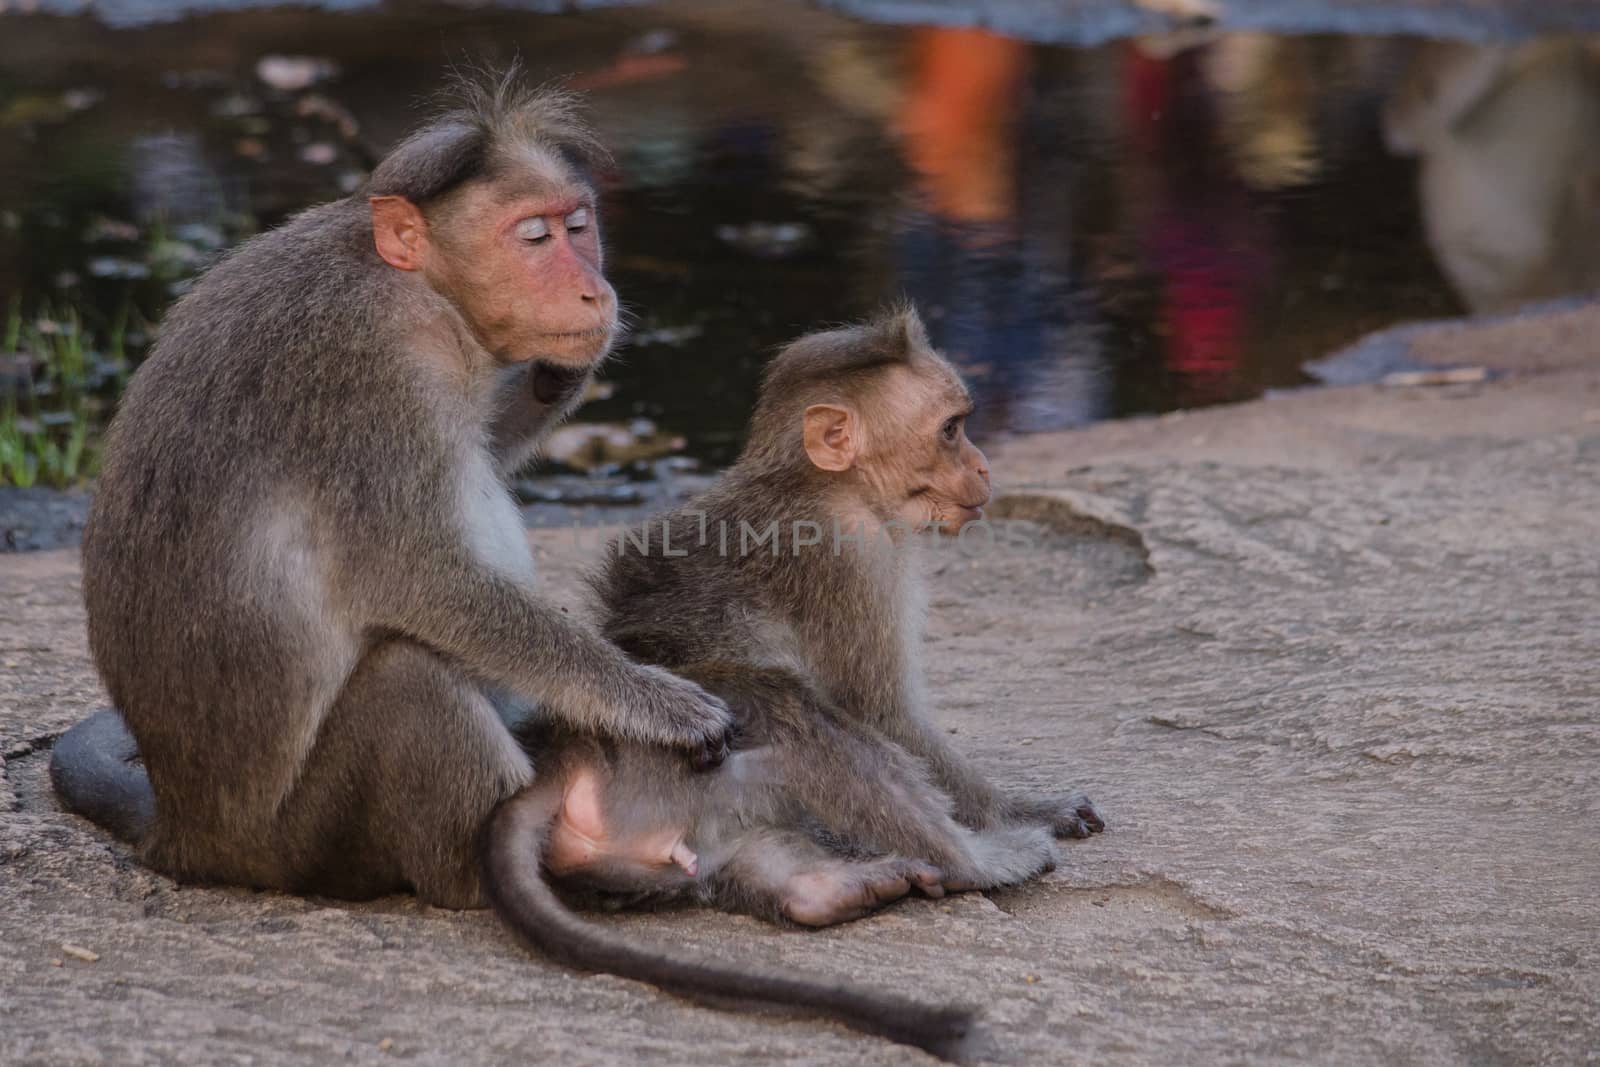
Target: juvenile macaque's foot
{"x":1074,"y":816}
{"x":580,"y":837}
{"x":1004,"y":857}
{"x":840,"y":892}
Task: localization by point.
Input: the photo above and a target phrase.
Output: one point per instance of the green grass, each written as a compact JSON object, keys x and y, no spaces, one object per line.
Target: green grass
{"x":49,"y":434}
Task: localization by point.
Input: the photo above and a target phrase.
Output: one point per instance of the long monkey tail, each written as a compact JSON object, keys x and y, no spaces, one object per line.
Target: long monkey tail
{"x":94,"y":769}
{"x":513,"y":881}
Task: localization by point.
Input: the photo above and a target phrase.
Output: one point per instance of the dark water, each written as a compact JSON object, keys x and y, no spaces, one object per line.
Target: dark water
{"x":1090,"y":232}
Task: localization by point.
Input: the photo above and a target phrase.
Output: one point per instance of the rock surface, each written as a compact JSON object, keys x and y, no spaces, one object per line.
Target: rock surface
{"x":1327,"y":662}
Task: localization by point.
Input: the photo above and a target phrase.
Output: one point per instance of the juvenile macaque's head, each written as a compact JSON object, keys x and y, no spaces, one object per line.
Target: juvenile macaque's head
{"x":878,"y":417}
{"x":487,"y":203}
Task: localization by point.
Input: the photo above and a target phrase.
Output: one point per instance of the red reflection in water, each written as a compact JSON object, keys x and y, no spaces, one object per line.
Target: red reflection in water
{"x":1201,"y":236}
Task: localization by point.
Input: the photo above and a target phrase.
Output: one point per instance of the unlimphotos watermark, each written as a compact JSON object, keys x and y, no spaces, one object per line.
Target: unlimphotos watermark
{"x":671,"y":537}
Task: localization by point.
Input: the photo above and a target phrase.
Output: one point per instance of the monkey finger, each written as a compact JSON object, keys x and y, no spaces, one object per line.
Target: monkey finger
{"x":1069,"y":826}
{"x":676,"y":710}
{"x":710,"y":753}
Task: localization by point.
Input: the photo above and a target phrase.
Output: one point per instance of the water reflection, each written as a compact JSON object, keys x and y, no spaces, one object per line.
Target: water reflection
{"x":1509,"y":138}
{"x":992,"y":273}
{"x":1200,"y":229}
{"x":1091,"y":232}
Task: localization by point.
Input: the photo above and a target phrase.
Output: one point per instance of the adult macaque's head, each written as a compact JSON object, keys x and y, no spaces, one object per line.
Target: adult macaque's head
{"x":877,"y":419}
{"x":486,"y":202}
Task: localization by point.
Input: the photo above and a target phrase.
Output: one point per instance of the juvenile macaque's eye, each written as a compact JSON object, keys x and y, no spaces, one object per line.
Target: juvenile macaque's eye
{"x":534,"y":229}
{"x":952,"y":427}
{"x":578,"y":219}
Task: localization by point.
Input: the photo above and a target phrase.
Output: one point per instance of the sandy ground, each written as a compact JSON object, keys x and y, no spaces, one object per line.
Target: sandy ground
{"x":1327,"y":662}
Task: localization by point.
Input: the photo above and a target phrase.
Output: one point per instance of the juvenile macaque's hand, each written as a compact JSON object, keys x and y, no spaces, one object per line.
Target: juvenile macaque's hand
{"x":680,"y":714}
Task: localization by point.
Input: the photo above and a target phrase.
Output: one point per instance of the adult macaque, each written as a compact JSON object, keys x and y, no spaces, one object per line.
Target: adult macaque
{"x":812,"y":636}
{"x":302,"y":567}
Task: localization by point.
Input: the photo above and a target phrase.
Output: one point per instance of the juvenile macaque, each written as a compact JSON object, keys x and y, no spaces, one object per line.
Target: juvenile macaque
{"x":790,"y":590}
{"x":303,"y":570}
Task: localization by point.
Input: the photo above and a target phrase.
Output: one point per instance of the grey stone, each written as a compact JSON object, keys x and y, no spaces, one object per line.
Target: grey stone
{"x":1344,"y":723}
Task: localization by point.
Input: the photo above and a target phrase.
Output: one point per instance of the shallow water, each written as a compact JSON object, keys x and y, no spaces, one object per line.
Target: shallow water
{"x":1090,"y":232}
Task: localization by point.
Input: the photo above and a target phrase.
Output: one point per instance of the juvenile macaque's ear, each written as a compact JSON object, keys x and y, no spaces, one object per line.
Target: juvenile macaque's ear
{"x":832,"y":436}
{"x":399,"y":231}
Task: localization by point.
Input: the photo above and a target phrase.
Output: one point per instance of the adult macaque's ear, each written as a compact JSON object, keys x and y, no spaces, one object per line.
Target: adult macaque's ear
{"x":832,"y":436}
{"x":399,"y":231}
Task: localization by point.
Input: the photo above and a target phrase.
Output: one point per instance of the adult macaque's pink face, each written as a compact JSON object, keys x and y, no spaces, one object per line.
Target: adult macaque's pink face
{"x":522,"y":264}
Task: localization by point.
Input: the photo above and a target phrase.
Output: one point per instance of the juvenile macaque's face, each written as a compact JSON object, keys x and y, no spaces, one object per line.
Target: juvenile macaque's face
{"x":908,"y":444}
{"x":944,"y":476}
{"x":520,"y":258}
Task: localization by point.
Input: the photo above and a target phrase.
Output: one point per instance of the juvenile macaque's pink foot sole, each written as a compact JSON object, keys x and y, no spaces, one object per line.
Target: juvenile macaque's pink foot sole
{"x":846,"y":891}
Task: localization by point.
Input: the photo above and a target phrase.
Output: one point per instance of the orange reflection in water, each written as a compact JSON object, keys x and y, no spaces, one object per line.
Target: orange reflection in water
{"x":958,"y":121}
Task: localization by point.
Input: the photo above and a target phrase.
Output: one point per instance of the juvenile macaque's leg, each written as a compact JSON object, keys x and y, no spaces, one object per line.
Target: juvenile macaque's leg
{"x":1073,"y":815}
{"x":982,"y":806}
{"x":881,"y":797}
{"x":856,"y":782}
{"x":779,"y":875}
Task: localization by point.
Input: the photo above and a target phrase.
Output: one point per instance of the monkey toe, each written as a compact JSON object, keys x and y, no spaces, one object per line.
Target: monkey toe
{"x":877,"y":890}
{"x":819,"y":898}
{"x":1077,"y":817}
{"x":885,"y":890}
{"x":926,"y":879}
{"x":827,"y":897}
{"x":1071,"y":816}
{"x":1070,"y":826}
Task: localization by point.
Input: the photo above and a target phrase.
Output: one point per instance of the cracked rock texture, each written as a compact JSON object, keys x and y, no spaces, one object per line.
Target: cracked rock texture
{"x":1327,"y":662}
